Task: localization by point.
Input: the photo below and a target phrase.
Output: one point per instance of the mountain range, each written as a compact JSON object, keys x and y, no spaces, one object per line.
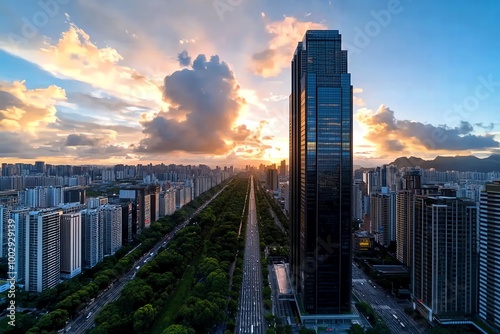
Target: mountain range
{"x":457,"y":163}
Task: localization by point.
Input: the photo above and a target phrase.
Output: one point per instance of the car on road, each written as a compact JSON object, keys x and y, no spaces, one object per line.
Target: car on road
{"x":88,"y":315}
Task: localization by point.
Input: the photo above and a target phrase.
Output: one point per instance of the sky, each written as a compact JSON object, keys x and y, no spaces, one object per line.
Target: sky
{"x":207,"y":81}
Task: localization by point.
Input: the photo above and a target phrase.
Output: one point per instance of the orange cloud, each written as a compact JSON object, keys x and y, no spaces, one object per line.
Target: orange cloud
{"x":277,"y":56}
{"x":403,"y":136}
{"x":23,"y":109}
{"x":76,"y":57}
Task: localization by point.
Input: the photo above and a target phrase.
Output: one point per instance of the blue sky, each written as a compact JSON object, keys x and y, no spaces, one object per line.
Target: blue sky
{"x":84,"y":81}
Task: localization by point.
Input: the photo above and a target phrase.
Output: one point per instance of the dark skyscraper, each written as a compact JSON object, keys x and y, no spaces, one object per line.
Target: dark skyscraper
{"x":321,"y":173}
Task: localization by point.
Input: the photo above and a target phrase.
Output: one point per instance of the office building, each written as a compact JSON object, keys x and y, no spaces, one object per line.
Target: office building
{"x":71,"y":245}
{"x":127,"y":221}
{"x":43,"y":250}
{"x":489,"y":261}
{"x":358,"y":200}
{"x":321,"y":175}
{"x":445,"y":258}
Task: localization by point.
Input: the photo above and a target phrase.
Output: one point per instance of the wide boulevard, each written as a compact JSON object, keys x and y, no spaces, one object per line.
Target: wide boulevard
{"x":382,"y":303}
{"x":251,"y":310}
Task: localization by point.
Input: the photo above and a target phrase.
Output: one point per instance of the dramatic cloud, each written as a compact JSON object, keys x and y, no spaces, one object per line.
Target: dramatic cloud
{"x":393,"y":135}
{"x":30,"y":127}
{"x":23,"y":109}
{"x":76,"y":57}
{"x":277,"y":56}
{"x":204,"y":103}
{"x":184,"y":59}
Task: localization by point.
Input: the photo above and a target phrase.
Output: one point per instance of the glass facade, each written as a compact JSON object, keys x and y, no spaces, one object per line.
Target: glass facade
{"x":321,"y":173}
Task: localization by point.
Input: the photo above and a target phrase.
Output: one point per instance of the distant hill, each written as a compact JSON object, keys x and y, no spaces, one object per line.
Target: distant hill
{"x":458,"y":163}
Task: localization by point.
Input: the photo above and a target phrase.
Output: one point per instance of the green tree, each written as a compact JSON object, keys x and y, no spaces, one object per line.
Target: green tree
{"x":380,"y":328}
{"x":135,"y":294}
{"x":177,"y":329}
{"x":304,"y":330}
{"x":356,"y":329}
{"x":53,"y":320}
{"x":144,"y":317}
{"x":208,"y":265}
{"x":217,"y":281}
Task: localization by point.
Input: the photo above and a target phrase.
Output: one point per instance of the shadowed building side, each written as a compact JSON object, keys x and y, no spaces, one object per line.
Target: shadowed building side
{"x":321,"y":174}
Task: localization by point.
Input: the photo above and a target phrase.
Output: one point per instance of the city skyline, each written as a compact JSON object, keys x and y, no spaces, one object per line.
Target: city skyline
{"x":76,"y":89}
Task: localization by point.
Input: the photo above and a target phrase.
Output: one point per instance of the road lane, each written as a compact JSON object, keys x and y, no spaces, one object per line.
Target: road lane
{"x":383,"y":304}
{"x":251,"y":310}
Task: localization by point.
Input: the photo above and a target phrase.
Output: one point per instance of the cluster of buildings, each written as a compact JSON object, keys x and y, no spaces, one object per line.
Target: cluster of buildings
{"x":445,"y":231}
{"x":445,"y":226}
{"x":59,"y":231}
{"x":18,"y":176}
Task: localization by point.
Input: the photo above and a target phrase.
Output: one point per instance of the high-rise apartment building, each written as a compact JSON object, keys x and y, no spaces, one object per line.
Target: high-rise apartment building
{"x":75,"y":194}
{"x":71,"y":245}
{"x":43,"y":250}
{"x":445,"y":257}
{"x":383,"y":215}
{"x":404,"y":215}
{"x":21,"y":217}
{"x":4,"y":230}
{"x":489,"y":261}
{"x":95,"y":202}
{"x":112,"y":228}
{"x":92,"y":237}
{"x":167,"y":202}
{"x":321,"y":174}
